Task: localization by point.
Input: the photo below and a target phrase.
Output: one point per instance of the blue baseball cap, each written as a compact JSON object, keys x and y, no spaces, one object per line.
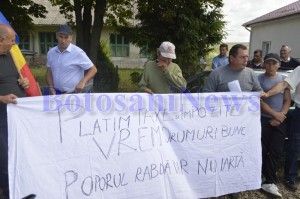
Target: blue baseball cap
{"x":272,"y":56}
{"x":64,"y":29}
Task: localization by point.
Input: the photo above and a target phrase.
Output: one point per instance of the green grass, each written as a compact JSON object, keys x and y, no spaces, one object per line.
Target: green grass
{"x":40,"y":75}
{"x":125,"y":83}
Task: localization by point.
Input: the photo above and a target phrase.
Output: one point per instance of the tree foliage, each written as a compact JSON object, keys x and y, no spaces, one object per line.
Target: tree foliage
{"x":193,"y":26}
{"x":19,"y":13}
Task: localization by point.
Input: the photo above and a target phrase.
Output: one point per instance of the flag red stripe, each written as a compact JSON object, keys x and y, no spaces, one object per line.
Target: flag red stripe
{"x":23,"y":68}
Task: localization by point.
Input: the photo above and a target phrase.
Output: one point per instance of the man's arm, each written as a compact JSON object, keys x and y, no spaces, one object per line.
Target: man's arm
{"x":213,"y":64}
{"x":7,"y":99}
{"x":49,"y":80}
{"x":211,"y":83}
{"x":89,"y":75}
{"x":275,"y":89}
{"x":286,"y":101}
{"x":175,"y":77}
{"x":279,"y":116}
{"x":143,"y":82}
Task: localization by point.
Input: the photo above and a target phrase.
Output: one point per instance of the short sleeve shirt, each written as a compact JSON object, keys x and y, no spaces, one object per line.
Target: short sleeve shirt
{"x":68,"y":66}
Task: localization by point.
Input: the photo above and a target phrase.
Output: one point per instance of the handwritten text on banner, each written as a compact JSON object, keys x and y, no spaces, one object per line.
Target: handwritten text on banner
{"x":134,"y":145}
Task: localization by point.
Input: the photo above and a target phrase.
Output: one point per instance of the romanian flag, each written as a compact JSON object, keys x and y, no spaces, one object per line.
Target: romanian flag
{"x":21,"y":65}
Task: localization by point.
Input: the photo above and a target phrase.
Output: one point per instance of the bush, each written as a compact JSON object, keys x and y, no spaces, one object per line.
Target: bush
{"x":135,"y":77}
{"x":107,"y":77}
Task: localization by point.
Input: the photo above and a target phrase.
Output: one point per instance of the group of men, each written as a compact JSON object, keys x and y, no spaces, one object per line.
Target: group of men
{"x":69,"y":69}
{"x":287,"y":62}
{"x":275,"y":103}
{"x":274,"y":109}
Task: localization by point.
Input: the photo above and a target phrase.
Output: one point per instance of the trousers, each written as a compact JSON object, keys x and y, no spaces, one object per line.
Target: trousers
{"x":293,"y":149}
{"x":3,"y":149}
{"x":273,"y":139}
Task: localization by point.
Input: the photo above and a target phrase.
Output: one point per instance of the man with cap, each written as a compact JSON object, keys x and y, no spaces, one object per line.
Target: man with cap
{"x":292,"y":81}
{"x":162,"y":75}
{"x":66,"y":65}
{"x":273,"y":122}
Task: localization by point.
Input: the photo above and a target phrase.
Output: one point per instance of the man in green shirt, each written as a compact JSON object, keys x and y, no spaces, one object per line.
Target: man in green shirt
{"x":162,"y":75}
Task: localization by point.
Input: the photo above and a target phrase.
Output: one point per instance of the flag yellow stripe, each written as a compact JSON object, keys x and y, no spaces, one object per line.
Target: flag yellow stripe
{"x":18,"y":57}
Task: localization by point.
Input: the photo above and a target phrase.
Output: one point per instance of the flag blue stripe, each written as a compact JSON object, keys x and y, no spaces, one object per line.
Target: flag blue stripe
{"x":4,"y":21}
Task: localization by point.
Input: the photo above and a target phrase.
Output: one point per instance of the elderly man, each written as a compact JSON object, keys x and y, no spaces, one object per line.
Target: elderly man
{"x":11,"y":87}
{"x":66,"y":65}
{"x":162,"y":75}
{"x":287,"y":62}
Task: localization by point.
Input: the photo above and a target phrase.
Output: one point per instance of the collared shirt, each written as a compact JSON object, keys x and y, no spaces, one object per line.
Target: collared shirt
{"x":251,"y":64}
{"x":219,"y":61}
{"x":289,"y":64}
{"x":67,"y":67}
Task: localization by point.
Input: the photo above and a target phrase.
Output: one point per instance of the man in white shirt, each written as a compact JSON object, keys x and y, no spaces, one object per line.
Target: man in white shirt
{"x":66,"y":64}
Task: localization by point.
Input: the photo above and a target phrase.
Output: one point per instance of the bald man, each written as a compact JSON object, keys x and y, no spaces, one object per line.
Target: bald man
{"x":11,"y":87}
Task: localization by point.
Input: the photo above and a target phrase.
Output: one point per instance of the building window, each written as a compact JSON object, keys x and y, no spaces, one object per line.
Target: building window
{"x":266,"y":45}
{"x":119,"y":45}
{"x":24,"y":42}
{"x":47,"y":41}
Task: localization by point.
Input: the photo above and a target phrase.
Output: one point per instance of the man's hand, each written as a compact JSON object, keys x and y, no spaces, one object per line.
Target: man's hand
{"x":52,"y":91}
{"x":24,"y":82}
{"x":148,"y":90}
{"x":274,"y":122}
{"x":264,"y":95}
{"x":8,"y":99}
{"x":80,"y":86}
{"x":163,"y":64}
{"x":279,"y":116}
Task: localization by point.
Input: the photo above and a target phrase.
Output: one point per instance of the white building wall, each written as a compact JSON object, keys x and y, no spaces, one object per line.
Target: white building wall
{"x":133,"y":61}
{"x":279,"y":32}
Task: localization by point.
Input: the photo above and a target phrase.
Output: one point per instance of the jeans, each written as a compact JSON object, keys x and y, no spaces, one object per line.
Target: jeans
{"x":293,"y":149}
{"x":272,"y":139}
{"x":3,"y":149}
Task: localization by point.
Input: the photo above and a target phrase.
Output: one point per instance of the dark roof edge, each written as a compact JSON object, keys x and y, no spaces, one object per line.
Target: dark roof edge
{"x":248,"y":24}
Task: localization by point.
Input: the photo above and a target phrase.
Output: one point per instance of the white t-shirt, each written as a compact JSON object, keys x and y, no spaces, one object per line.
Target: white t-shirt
{"x":294,"y":83}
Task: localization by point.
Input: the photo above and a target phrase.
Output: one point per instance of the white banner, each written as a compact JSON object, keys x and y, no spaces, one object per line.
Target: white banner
{"x":134,"y":145}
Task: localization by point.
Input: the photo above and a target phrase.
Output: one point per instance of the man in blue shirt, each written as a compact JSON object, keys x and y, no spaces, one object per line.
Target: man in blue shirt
{"x":222,"y":58}
{"x":66,"y":64}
